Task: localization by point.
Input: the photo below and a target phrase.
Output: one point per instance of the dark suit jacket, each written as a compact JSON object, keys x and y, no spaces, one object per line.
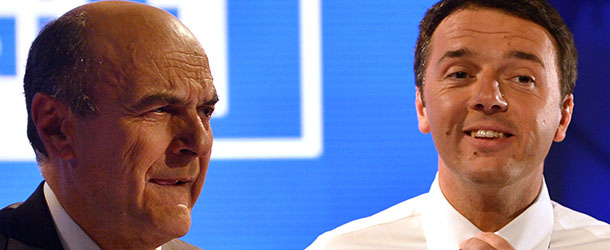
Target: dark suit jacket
{"x":29,"y":226}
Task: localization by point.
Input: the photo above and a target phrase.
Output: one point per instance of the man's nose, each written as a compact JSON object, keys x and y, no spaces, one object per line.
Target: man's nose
{"x":488,"y":97}
{"x":194,"y":136}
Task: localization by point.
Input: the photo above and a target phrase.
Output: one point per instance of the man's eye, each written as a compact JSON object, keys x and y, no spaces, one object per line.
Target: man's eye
{"x":163,"y":109}
{"x":206,"y":112}
{"x":458,"y":75}
{"x":524,"y":79}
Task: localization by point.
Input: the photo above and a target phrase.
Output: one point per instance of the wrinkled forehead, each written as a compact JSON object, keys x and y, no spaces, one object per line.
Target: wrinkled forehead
{"x":156,"y":69}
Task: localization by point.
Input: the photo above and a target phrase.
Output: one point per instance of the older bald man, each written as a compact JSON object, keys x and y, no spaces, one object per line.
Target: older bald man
{"x":119,"y":99}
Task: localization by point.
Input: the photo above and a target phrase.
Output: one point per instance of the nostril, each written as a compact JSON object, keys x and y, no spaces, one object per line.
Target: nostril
{"x":187,"y":152}
{"x":479,"y":107}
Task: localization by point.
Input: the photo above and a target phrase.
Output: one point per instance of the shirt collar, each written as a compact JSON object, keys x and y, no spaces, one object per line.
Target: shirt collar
{"x":71,"y":234}
{"x":445,"y":228}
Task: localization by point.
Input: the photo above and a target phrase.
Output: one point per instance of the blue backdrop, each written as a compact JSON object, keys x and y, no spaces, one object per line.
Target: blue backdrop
{"x":373,"y":155}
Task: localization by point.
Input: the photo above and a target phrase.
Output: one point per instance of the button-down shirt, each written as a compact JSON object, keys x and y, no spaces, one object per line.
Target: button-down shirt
{"x":430,"y":222}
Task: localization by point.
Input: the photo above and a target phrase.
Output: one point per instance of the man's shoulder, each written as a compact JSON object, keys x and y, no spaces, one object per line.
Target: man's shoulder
{"x":28,"y":225}
{"x":5,"y":217}
{"x":576,"y":230}
{"x":7,"y":243}
{"x":387,"y":227}
{"x":569,"y":219}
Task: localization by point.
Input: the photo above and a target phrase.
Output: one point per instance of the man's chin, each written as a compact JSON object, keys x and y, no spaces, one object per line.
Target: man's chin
{"x":178,"y":224}
{"x":491,"y":176}
{"x":160,"y":231}
{"x":488,"y":172}
{"x":167,"y":223}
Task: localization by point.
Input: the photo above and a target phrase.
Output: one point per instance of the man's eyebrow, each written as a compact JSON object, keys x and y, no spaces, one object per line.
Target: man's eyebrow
{"x":456,"y":54}
{"x":214,"y":99}
{"x":524,"y":56}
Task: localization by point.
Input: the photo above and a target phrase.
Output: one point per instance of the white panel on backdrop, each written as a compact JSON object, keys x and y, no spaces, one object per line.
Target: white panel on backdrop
{"x":14,"y":144}
{"x":208,"y":21}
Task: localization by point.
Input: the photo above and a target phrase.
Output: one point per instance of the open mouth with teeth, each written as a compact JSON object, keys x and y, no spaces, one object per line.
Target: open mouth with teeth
{"x":169,"y":182}
{"x":488,"y":134}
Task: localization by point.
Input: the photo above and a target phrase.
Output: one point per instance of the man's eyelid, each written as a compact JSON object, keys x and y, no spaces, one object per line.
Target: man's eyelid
{"x":210,"y":107}
{"x":452,"y":73}
{"x":155,"y":101}
{"x":531,"y":78}
{"x":523,"y":67}
{"x":162,"y":108}
{"x":151,"y":108}
{"x":454,"y":66}
{"x":522,"y":72}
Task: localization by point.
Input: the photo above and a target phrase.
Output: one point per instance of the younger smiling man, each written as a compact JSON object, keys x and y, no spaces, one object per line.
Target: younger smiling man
{"x":494,"y":88}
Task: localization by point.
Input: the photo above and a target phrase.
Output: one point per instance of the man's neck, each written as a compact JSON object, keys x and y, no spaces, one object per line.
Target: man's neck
{"x":104,"y":233}
{"x":489,"y":207}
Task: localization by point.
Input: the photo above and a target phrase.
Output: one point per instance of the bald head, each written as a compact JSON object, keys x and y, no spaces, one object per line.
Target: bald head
{"x":126,"y":26}
{"x":126,"y":36}
{"x":123,"y":17}
{"x":72,"y":54}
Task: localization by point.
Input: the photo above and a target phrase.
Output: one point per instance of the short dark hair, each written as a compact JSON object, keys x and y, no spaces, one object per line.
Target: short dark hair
{"x":537,"y":11}
{"x":59,"y":64}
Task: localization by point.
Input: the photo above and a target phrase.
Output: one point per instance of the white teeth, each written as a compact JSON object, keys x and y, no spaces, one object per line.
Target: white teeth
{"x":487,"y":134}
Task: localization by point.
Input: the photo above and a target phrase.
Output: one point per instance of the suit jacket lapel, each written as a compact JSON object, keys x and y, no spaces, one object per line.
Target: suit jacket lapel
{"x":31,"y":222}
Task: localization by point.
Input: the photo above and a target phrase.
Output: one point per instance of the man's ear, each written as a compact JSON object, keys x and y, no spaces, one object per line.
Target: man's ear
{"x":50,"y":117}
{"x":424,"y":126}
{"x":567,"y":107}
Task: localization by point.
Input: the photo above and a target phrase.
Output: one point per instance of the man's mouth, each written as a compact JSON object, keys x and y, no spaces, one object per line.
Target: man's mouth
{"x":169,"y":182}
{"x":488,"y":134}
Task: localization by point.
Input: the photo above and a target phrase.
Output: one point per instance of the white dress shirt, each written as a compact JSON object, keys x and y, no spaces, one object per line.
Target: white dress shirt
{"x":428,"y":221}
{"x":71,"y":235}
